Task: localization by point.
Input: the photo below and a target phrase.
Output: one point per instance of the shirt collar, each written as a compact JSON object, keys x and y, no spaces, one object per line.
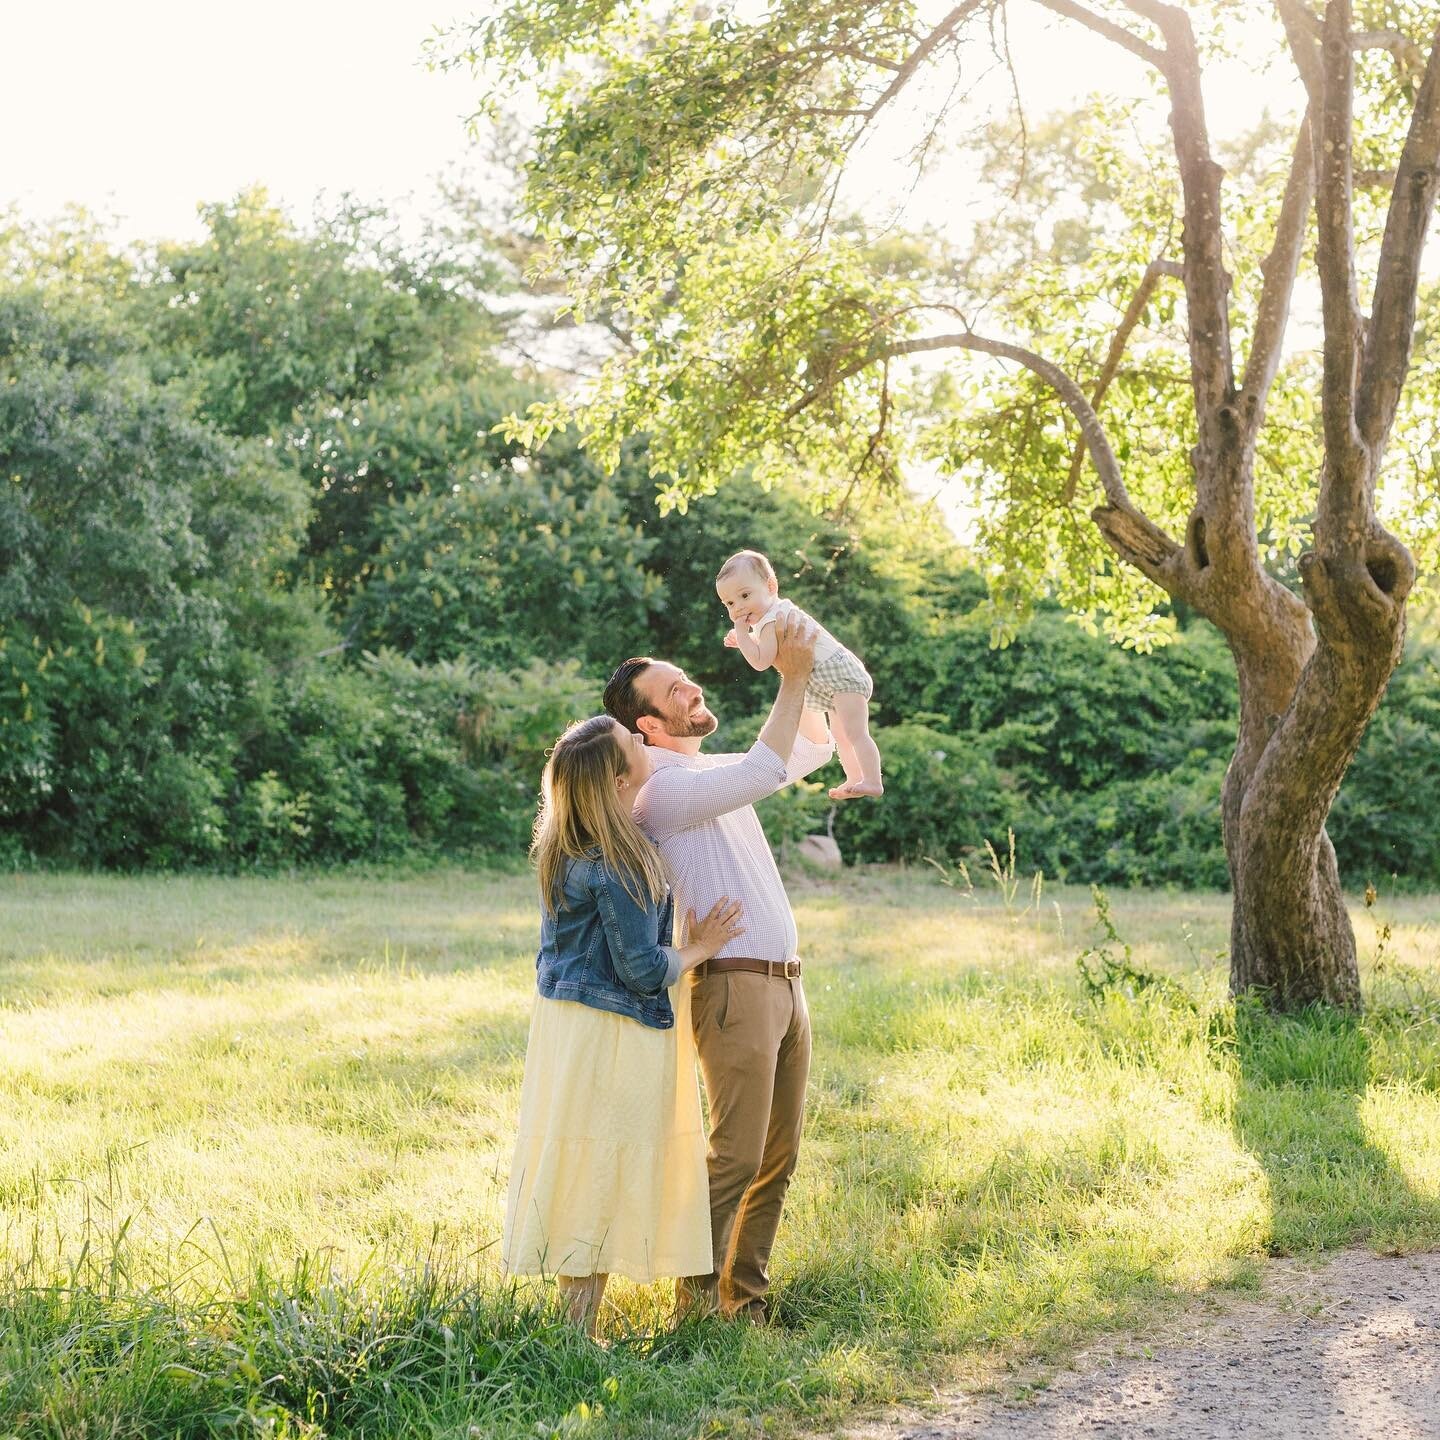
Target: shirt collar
{"x":662,"y":759}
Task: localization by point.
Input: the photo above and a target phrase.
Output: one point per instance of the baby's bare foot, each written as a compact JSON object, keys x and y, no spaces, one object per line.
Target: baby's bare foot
{"x":857,"y":790}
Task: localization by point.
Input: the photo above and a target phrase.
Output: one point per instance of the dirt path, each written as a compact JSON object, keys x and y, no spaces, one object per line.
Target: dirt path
{"x":1349,"y":1349}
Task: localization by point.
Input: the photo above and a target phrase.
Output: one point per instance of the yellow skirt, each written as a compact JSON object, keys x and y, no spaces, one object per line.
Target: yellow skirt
{"x":609,"y":1171}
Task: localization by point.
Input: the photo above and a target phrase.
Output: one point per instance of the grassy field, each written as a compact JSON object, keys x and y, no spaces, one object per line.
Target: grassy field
{"x":256,"y":1135}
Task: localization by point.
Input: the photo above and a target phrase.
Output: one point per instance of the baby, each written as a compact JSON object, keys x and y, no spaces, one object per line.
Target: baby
{"x":839,"y":684}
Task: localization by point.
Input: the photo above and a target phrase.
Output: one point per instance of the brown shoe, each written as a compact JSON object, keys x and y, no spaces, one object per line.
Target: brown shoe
{"x":695,"y":1300}
{"x":755,"y":1312}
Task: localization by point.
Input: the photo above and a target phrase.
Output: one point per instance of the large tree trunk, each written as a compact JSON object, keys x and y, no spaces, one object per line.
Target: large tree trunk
{"x":1306,"y":697}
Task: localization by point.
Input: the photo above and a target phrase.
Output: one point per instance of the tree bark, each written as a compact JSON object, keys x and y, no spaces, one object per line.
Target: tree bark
{"x":1311,"y":673}
{"x":1309,"y":682}
{"x":1291,"y":936}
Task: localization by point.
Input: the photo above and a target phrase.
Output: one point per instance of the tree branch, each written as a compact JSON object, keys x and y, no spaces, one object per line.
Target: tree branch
{"x":1109,"y":29}
{"x":879,"y":61}
{"x":1158,"y":12}
{"x":1279,"y":269}
{"x":922,"y":52}
{"x":1409,"y":57}
{"x":1392,"y":318}
{"x":1207,"y":286}
{"x":1374,"y":179}
{"x":1132,"y":535}
{"x":1334,"y":212}
{"x":1302,"y":30}
{"x":1299,"y":20}
{"x":1131,"y":318}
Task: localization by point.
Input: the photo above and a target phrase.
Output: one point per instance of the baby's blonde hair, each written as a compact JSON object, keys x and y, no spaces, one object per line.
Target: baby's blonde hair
{"x":581,"y":807}
{"x":751,"y":558}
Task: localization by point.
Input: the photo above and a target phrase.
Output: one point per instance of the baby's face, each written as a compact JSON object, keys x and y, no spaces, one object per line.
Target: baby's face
{"x":746,"y":596}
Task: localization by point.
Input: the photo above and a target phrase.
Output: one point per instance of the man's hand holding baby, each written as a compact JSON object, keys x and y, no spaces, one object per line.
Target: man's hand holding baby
{"x":795,"y":636}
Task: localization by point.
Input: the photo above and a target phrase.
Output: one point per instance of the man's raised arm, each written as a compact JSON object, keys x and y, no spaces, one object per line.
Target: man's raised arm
{"x":675,"y":798}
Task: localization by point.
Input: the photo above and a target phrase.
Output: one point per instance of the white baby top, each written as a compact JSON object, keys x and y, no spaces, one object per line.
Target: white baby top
{"x":826,"y":644}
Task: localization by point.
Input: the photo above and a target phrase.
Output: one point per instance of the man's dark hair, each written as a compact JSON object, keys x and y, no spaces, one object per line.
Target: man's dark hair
{"x":622,"y":699}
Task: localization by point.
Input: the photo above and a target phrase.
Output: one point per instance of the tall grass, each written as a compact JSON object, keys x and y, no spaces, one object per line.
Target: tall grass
{"x":256,"y":1134}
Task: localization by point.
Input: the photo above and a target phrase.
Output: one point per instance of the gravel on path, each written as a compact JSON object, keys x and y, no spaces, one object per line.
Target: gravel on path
{"x":1348,"y":1349}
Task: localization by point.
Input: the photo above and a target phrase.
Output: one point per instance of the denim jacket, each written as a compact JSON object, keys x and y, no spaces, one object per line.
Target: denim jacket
{"x":602,"y":949}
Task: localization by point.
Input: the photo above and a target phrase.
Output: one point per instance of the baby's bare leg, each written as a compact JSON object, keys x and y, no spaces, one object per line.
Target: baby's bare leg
{"x":848,"y":758}
{"x":850,"y":720}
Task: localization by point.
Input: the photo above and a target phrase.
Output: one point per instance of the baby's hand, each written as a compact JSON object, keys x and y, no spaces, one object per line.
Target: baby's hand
{"x":731,"y":643}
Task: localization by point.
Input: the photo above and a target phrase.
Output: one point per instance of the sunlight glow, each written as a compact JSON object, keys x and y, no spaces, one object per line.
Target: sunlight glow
{"x":141,"y":117}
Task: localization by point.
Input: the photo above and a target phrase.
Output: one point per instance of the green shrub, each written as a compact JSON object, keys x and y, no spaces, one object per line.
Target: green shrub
{"x":944,"y":796}
{"x":99,"y":775}
{"x":14,"y":854}
{"x":793,"y":813}
{"x":1070,"y":712}
{"x":1383,"y":821}
{"x":1161,"y":830}
{"x":497,"y":567}
{"x":112,"y":759}
{"x":515,"y":717}
{"x":393,"y":758}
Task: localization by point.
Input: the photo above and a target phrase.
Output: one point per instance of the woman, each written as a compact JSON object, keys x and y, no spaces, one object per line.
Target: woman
{"x":609,"y":1171}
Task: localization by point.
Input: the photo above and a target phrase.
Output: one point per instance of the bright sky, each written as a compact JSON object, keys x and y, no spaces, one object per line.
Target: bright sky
{"x":143,"y":109}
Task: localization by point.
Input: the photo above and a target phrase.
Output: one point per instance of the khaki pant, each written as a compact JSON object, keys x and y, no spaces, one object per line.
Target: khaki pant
{"x":753,"y":1035}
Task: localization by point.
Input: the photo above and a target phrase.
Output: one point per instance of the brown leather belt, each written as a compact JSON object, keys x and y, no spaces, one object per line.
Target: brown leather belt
{"x":775,"y":969}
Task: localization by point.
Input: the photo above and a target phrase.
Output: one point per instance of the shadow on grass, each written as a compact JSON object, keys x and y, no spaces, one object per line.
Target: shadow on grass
{"x":1309,"y":1088}
{"x":1303,"y":1085}
{"x":1120,"y":1191}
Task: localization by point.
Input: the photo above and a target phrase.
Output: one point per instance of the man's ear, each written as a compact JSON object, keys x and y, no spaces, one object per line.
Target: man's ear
{"x":649,"y":726}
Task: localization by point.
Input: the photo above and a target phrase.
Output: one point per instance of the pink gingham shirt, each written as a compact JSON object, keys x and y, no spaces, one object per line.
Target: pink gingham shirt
{"x":700,"y":809}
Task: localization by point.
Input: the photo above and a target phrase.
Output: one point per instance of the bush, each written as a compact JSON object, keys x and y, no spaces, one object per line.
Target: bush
{"x":96,"y":773}
{"x":944,"y":797}
{"x":1162,"y":830}
{"x":112,"y":759}
{"x":1383,"y":821}
{"x":394,"y":758}
{"x":791,"y":814}
{"x":13,"y":854}
{"x":497,"y":567}
{"x":514,"y":718}
{"x":1071,"y":712}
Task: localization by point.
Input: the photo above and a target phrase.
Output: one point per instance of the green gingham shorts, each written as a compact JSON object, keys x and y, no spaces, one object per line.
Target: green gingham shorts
{"x":838,"y":674}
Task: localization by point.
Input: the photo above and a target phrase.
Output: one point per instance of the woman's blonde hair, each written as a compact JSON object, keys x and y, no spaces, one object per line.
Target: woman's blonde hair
{"x":581,"y":807}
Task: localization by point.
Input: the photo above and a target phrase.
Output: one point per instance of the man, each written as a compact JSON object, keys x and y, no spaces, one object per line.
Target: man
{"x":752,"y":1028}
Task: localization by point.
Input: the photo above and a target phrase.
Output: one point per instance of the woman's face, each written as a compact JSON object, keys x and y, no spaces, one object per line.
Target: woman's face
{"x":637,"y":753}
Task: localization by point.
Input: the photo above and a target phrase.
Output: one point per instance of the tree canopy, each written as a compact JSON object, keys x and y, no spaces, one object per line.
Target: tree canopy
{"x":687,"y":175}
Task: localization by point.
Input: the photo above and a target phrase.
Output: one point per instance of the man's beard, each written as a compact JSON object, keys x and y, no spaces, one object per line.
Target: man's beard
{"x":690,"y":725}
